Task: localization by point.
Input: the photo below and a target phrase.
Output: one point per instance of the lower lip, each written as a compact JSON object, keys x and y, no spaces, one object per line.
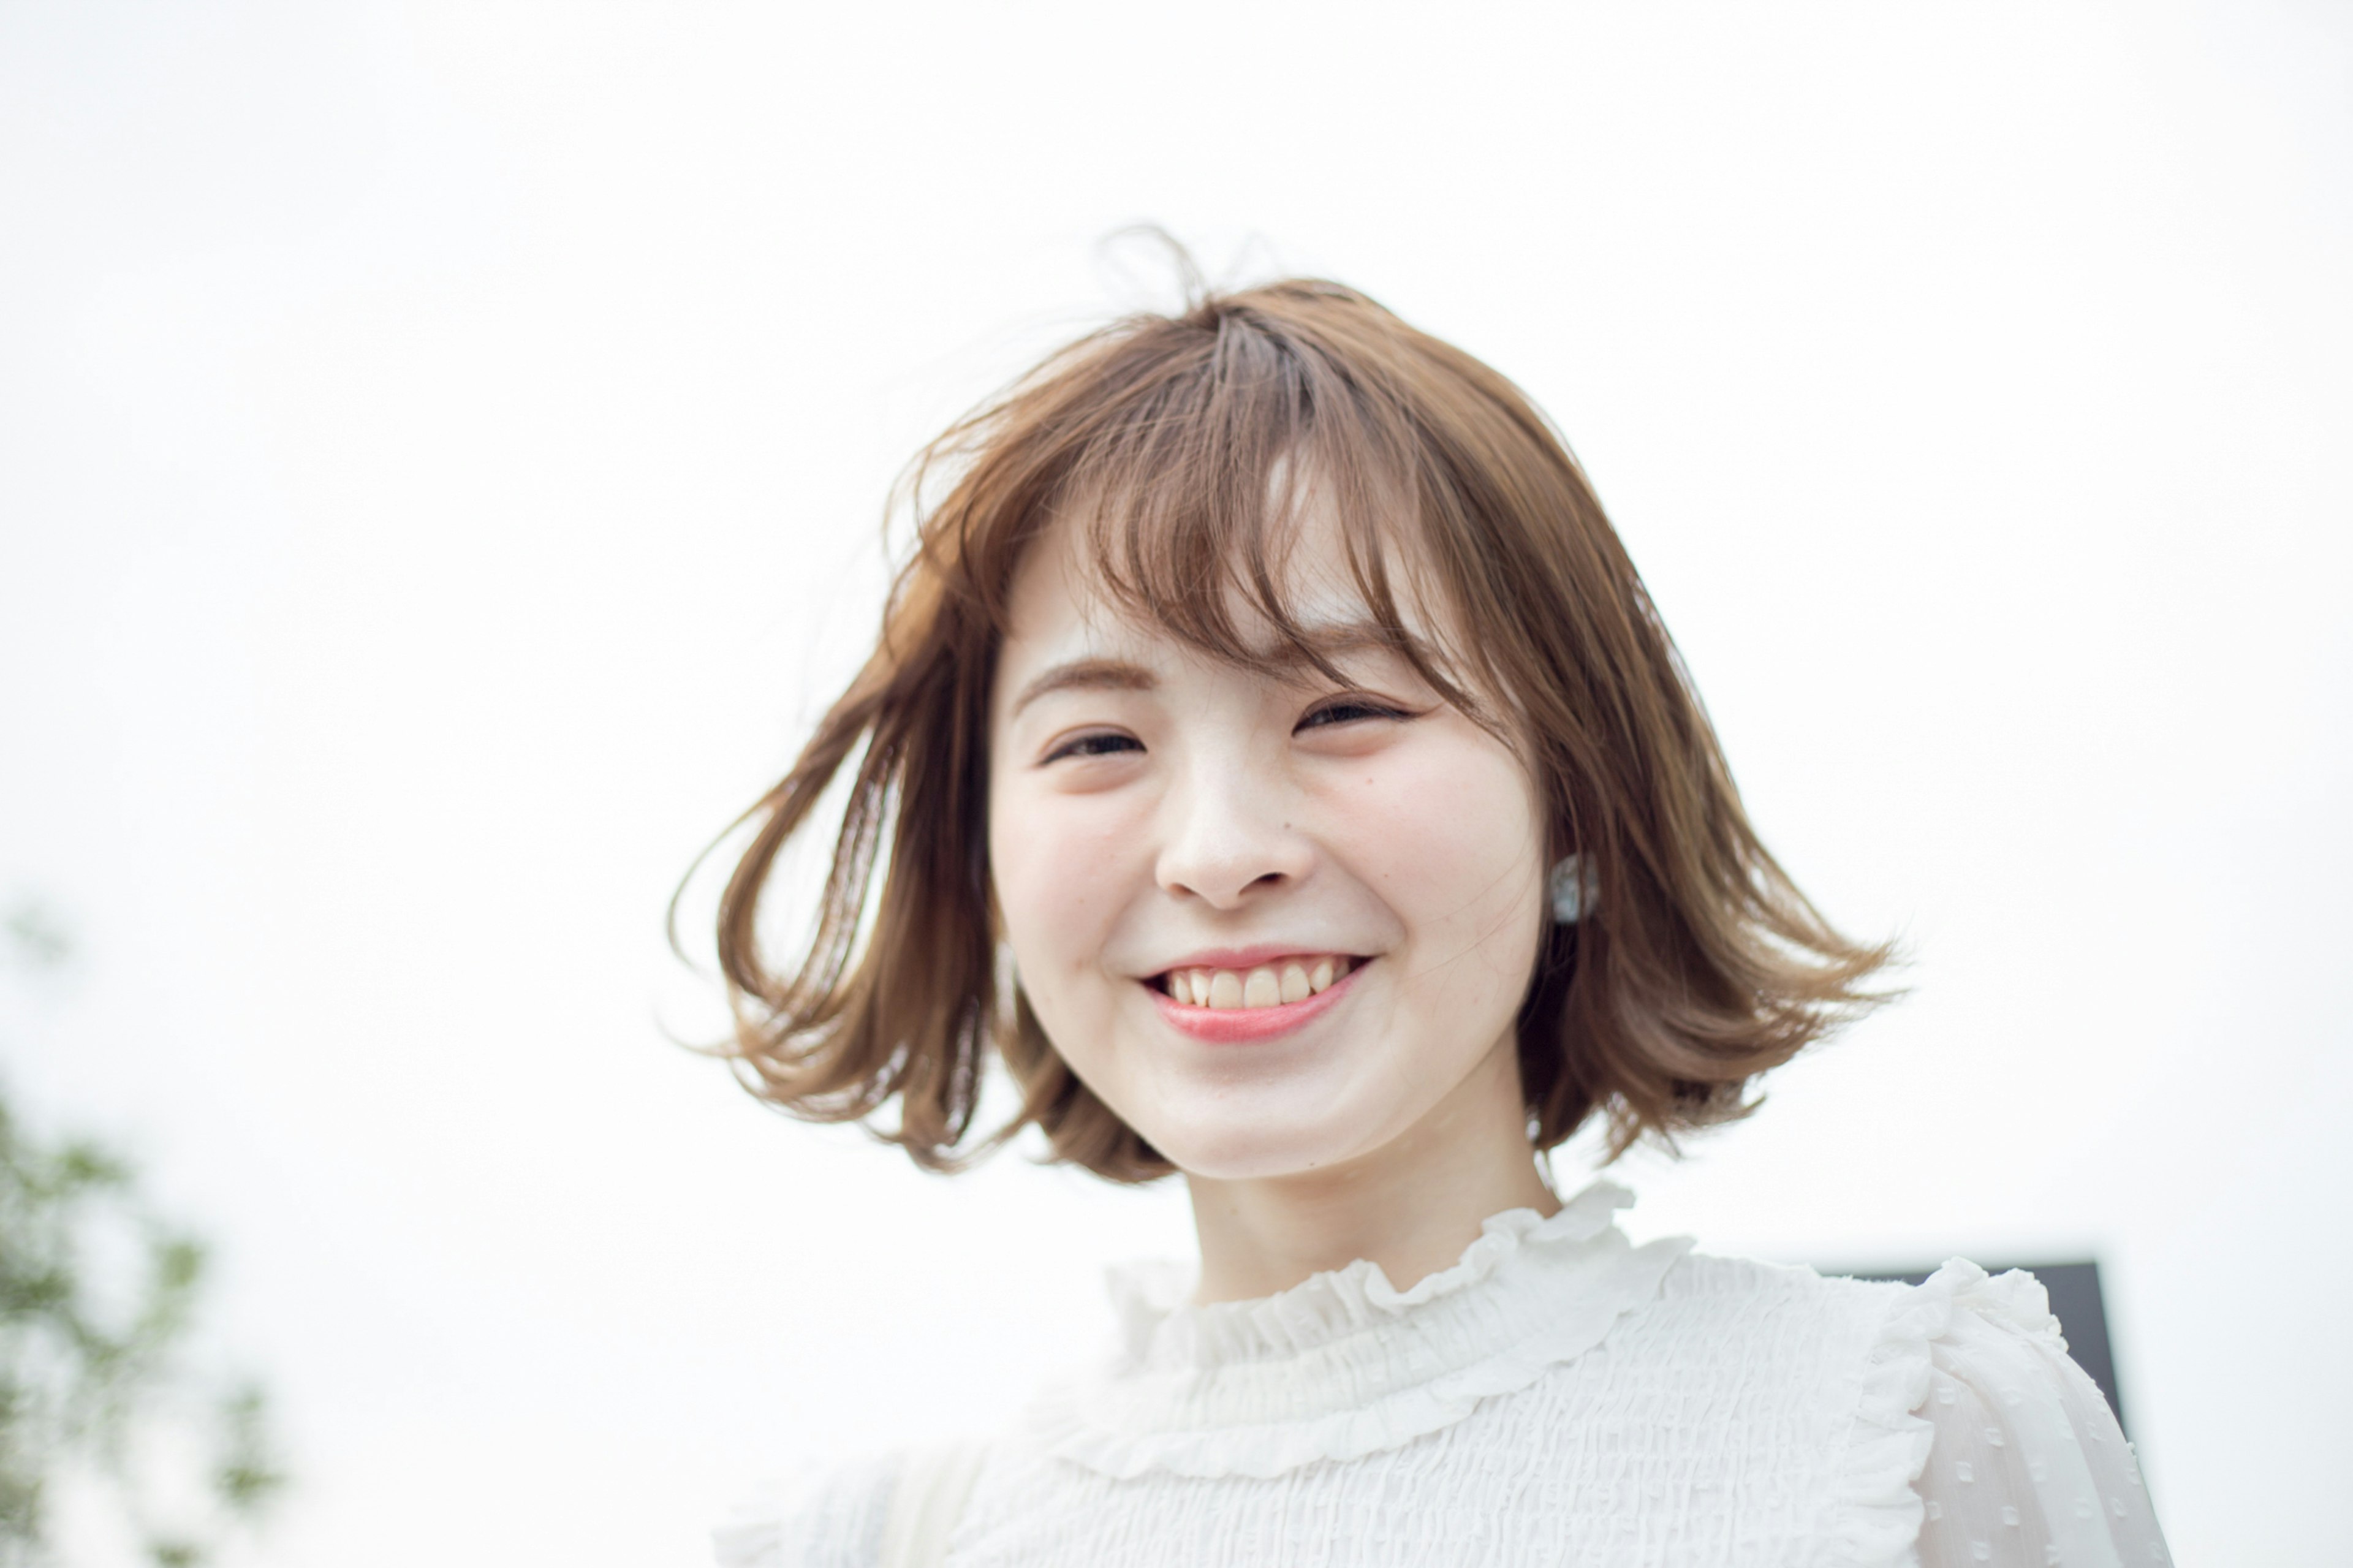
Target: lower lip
{"x":1248,"y":1026}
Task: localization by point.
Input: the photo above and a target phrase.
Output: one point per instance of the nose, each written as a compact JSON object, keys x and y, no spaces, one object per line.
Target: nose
{"x":1228,"y":836}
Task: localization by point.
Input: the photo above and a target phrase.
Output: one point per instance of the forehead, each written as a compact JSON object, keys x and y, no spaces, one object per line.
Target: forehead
{"x":1305,"y":601}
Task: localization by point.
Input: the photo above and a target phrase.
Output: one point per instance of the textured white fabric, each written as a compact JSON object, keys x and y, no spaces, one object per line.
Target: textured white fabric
{"x":926,"y":1500}
{"x":1559,"y":1397}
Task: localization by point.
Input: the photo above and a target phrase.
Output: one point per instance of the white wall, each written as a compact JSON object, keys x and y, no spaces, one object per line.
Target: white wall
{"x":439,"y":453}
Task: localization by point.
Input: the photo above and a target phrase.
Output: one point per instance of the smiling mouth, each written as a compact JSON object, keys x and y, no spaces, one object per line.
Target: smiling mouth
{"x":1266,"y":985}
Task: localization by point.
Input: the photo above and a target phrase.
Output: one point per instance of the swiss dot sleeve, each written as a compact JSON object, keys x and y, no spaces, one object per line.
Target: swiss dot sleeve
{"x":2027,"y":1467}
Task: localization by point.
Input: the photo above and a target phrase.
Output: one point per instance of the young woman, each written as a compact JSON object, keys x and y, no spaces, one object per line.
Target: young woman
{"x":1272,"y":759}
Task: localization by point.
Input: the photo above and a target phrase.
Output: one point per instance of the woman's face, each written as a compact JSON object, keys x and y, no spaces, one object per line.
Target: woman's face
{"x":1271,"y":921}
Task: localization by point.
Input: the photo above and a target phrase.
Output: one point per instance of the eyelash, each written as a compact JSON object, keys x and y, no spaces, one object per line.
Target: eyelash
{"x":1343,"y":710}
{"x":1356,"y":707}
{"x":1084,"y":746}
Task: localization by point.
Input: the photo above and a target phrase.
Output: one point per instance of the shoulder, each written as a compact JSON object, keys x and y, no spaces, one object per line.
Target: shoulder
{"x":1766,"y":1337}
{"x":1776,"y":1310}
{"x":2024,"y":1460}
{"x":1960,"y":1305}
{"x":1704,"y":1276}
{"x":1978,"y":1439}
{"x":1951,"y":1404}
{"x":822,"y":1517}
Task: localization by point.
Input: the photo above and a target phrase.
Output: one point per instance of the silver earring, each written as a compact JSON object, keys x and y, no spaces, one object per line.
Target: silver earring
{"x":1572,"y":888}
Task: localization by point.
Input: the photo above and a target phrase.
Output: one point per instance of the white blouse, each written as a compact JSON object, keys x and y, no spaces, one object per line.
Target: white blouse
{"x":1559,"y":1397}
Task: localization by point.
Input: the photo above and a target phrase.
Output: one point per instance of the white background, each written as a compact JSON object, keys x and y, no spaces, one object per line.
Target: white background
{"x":441,"y":450}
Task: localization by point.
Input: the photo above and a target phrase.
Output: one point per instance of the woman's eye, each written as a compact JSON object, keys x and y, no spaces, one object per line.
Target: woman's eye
{"x":1102,"y":744}
{"x":1348,"y":709}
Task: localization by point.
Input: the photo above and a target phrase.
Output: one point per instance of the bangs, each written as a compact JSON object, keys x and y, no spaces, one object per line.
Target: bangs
{"x":1265,"y":508}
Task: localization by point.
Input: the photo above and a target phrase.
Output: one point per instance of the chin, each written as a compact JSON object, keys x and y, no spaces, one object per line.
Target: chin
{"x":1259,"y":1151}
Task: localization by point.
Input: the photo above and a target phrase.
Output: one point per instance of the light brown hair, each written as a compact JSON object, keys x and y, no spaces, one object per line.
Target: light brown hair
{"x":1183,"y":445}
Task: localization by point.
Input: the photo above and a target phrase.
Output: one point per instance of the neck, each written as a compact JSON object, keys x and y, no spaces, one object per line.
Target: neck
{"x":1411,"y":1205}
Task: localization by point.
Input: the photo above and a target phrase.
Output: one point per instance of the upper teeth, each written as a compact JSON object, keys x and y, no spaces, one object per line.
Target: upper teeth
{"x":1268,"y":985}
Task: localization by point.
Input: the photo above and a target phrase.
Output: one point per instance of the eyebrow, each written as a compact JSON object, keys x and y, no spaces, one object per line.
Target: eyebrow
{"x":1088,"y":674}
{"x":1337,"y":641}
{"x":1118,"y":675}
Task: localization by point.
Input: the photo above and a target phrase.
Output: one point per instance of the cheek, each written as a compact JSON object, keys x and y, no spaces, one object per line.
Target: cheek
{"x":1449,"y":837}
{"x":1056,"y":864}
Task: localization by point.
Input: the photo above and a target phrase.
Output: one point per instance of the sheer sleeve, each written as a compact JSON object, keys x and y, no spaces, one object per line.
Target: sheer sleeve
{"x":2027,"y":1467}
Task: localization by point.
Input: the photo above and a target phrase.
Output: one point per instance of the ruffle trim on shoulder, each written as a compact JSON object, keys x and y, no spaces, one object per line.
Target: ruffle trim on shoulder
{"x":1346,"y":1365}
{"x":1879,"y":1510}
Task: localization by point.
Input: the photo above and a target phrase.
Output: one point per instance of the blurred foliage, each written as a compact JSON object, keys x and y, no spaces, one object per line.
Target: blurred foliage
{"x":97,"y":1298}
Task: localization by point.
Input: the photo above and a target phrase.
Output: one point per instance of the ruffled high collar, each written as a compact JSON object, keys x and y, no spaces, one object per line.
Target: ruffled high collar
{"x":1346,"y":1364}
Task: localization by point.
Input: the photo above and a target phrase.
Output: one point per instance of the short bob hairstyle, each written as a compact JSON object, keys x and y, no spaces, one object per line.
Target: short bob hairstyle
{"x":1182,"y":444}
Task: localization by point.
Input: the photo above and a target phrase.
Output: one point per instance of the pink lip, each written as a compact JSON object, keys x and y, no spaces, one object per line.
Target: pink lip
{"x":1246,"y":1026}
